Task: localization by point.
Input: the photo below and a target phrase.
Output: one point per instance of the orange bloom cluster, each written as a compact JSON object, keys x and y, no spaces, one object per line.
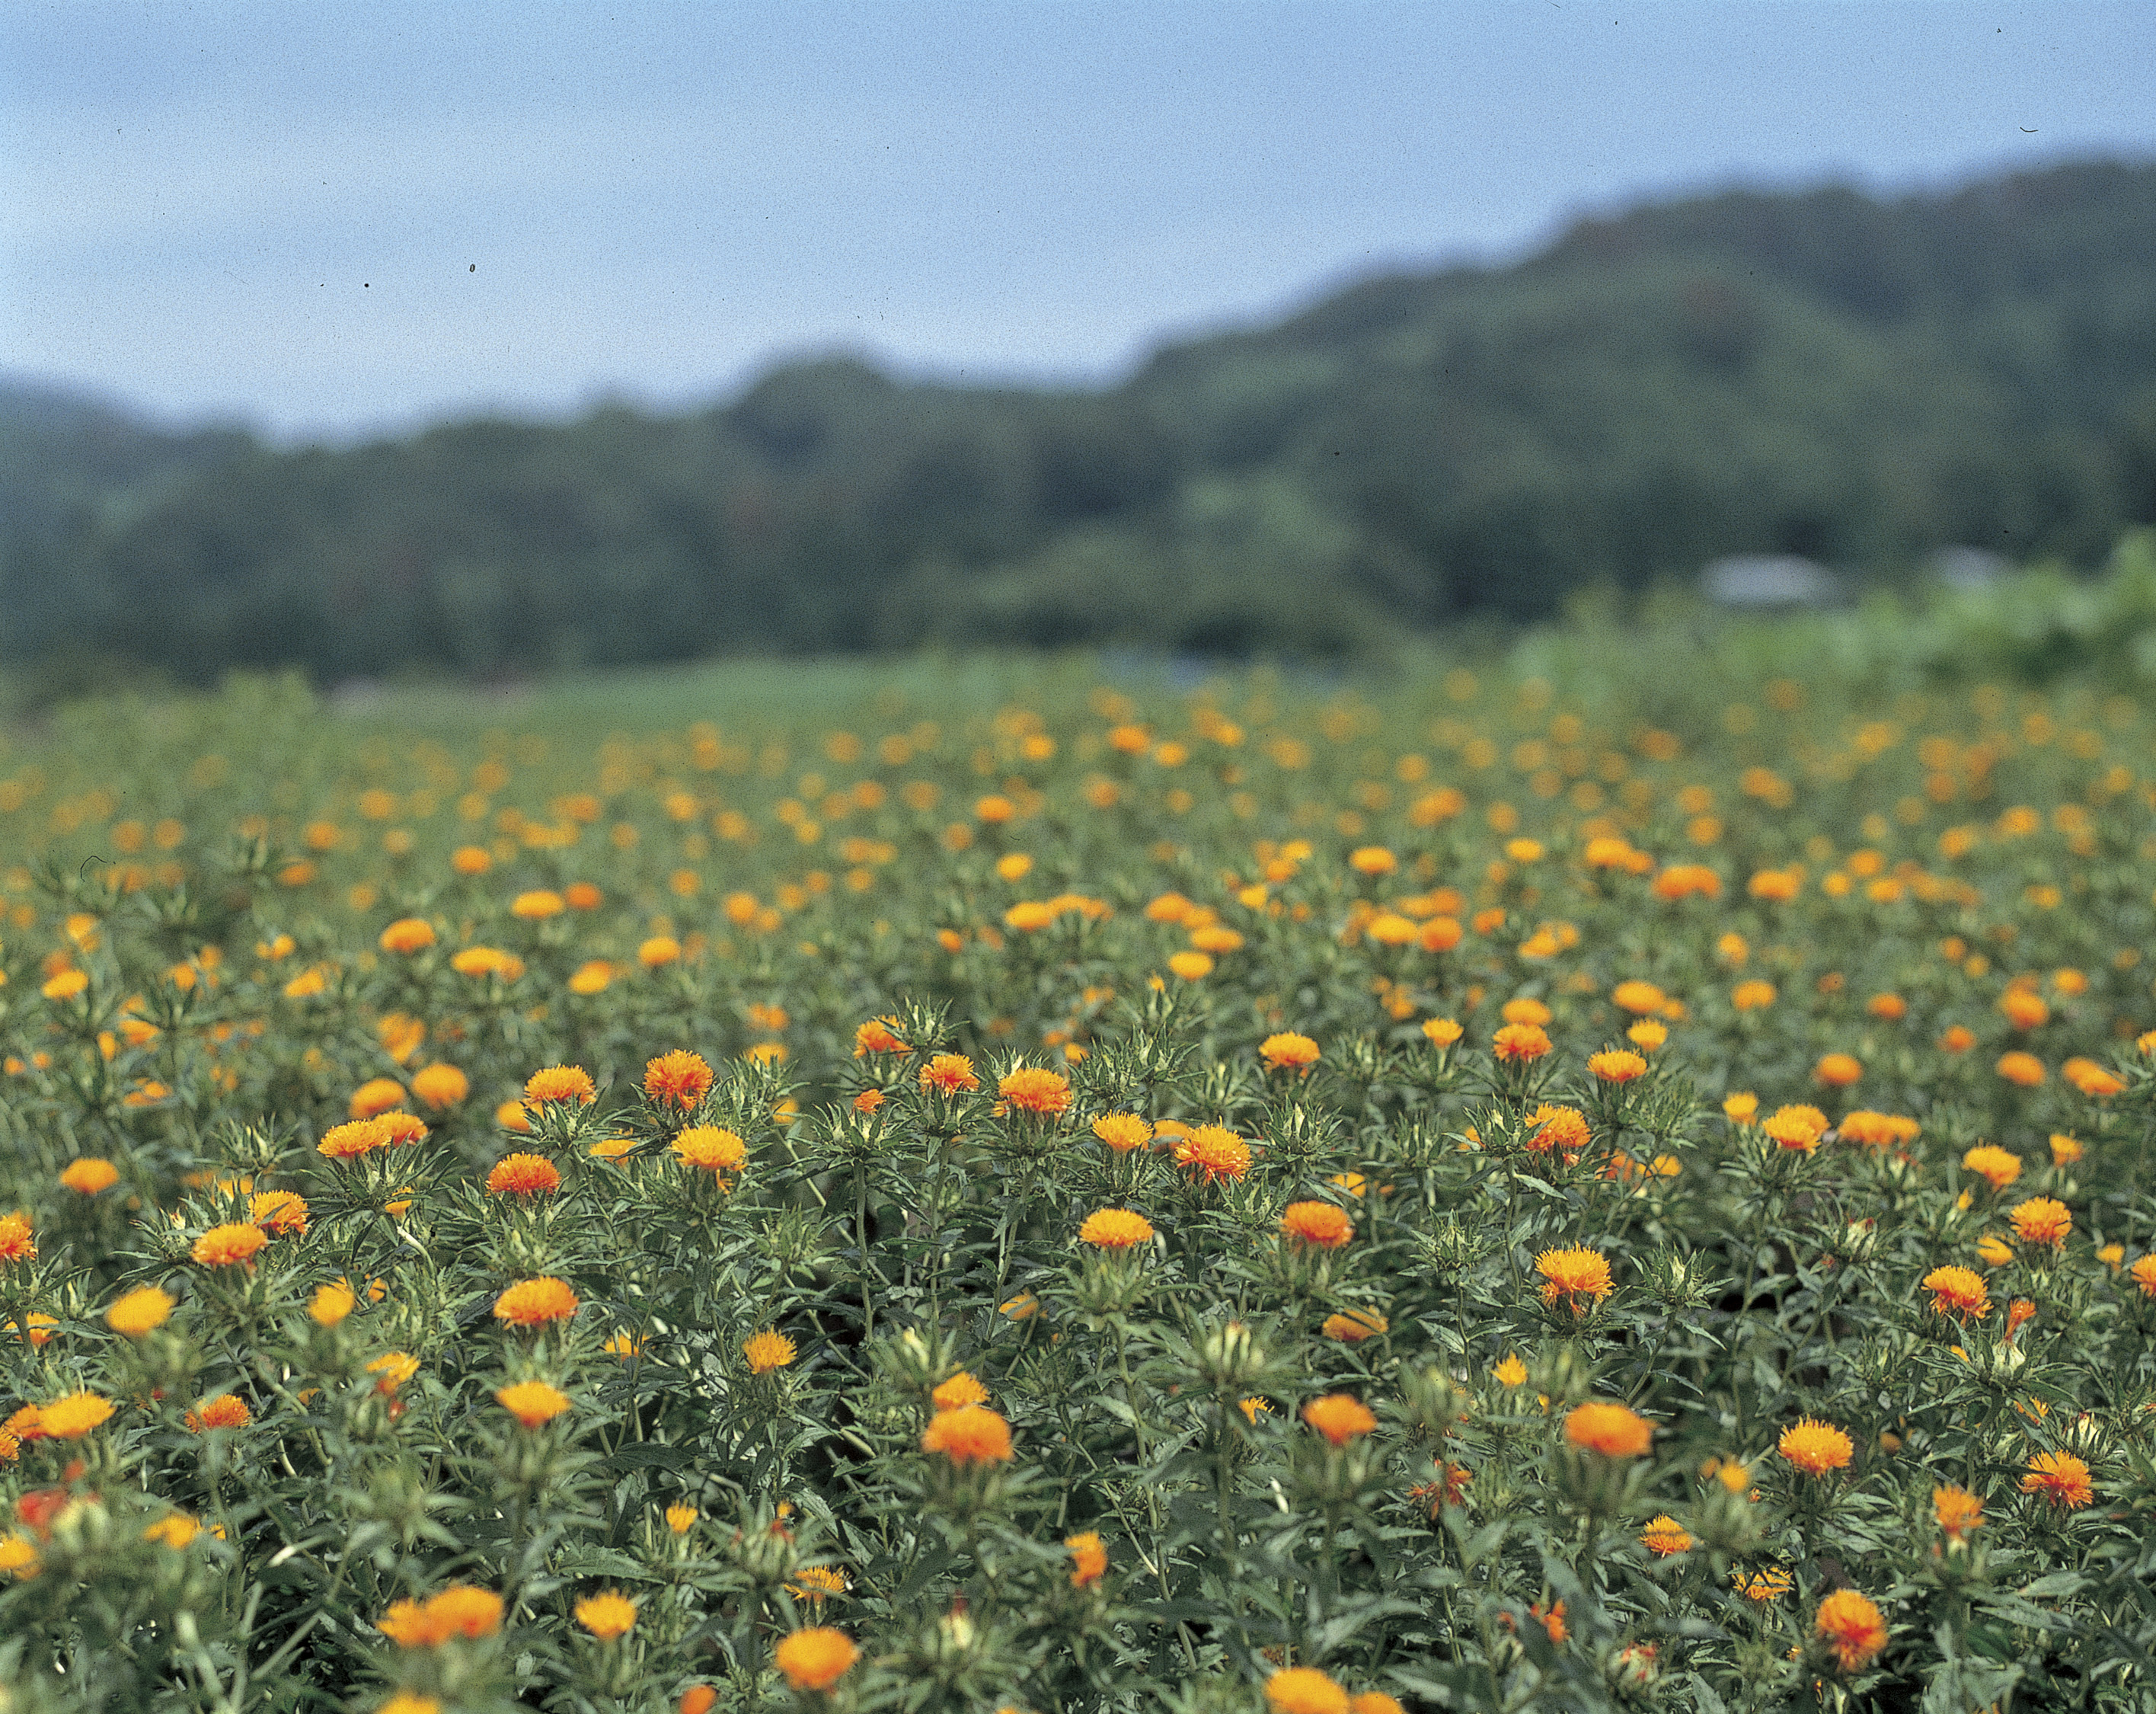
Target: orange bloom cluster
{"x":458,"y":1612}
{"x":970,"y":1435}
{"x":1324,"y":1226}
{"x":534,"y":1303}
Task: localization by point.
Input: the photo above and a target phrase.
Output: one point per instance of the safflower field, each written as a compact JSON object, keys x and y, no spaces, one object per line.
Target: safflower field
{"x":1483,"y":1190}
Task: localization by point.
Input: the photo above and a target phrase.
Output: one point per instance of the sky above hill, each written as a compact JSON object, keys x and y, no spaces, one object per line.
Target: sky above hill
{"x":343,"y":219}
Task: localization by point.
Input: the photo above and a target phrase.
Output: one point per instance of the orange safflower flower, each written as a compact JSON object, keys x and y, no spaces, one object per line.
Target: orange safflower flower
{"x":560,"y":1082}
{"x":1618,"y":1065}
{"x":227,"y":1410}
{"x":1839,"y":1070}
{"x":533,"y":1403}
{"x":1996,"y":1166}
{"x":814,"y":1658}
{"x":1665,"y":1536}
{"x":223,"y":1246}
{"x":16,"y":1243}
{"x":1609,"y":1428}
{"x":1215,"y":1151}
{"x":878,"y":1035}
{"x":1288,"y":1051}
{"x":1089,"y":1559}
{"x":89,"y":1175}
{"x":1339,"y":1417}
{"x":377,"y":1095}
{"x":1518,"y":1043}
{"x":1354,"y":1326}
{"x":1815,"y":1448}
{"x":408,"y":934}
{"x":534,"y":1303}
{"x":73,"y":1417}
{"x":1577,"y":1277}
{"x":349,"y":1141}
{"x":281,"y":1213}
{"x":960,"y":1389}
{"x":1852,"y":1628}
{"x":1324,"y":1225}
{"x":1798,"y":1129}
{"x":2025,"y":1069}
{"x":1561,"y":1129}
{"x":1115,"y":1229}
{"x":712,"y":1150}
{"x":1123,"y":1132}
{"x":2096,"y":1082}
{"x":677,"y":1079}
{"x":523,"y":1175}
{"x":1033,"y":1090}
{"x":1304,"y":1690}
{"x":440,"y":1086}
{"x":607,"y":1615}
{"x":1959,"y":1512}
{"x":972,"y":1434}
{"x":1957,"y":1291}
{"x":949,"y":1074}
{"x":2059,"y":1477}
{"x":2041,"y":1220}
{"x":767,"y":1350}
{"x":142,"y":1311}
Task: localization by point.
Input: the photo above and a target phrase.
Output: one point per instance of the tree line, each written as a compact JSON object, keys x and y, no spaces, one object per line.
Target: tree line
{"x":1858,"y":380}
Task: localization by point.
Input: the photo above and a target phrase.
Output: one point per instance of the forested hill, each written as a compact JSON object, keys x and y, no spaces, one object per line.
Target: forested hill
{"x":1858,"y":380}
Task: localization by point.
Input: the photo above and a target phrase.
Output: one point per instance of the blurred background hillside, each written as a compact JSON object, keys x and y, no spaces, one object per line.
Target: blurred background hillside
{"x":492,"y":342}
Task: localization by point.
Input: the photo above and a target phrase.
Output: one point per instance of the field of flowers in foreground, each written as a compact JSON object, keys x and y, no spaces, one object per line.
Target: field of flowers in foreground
{"x":1473,"y":1200}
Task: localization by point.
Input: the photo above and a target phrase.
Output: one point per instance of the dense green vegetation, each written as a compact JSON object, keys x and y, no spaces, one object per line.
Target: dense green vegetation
{"x":1823,"y":373}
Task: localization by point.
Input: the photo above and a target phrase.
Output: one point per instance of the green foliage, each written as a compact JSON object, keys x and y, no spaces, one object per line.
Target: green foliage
{"x":863,"y":1007}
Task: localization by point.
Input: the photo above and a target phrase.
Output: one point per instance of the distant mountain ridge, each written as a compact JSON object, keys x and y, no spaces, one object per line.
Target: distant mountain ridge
{"x":1821,"y":373}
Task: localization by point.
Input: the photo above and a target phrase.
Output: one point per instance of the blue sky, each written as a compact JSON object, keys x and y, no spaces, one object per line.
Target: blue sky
{"x":343,"y":219}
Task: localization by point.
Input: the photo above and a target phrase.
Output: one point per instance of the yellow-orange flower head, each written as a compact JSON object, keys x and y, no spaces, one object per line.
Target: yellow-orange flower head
{"x":709,"y":1148}
{"x":1214,"y":1152}
{"x":677,"y":1079}
{"x":1288,"y":1051}
{"x":228,"y":1245}
{"x":767,"y":1350}
{"x":1339,"y":1417}
{"x":815,"y":1659}
{"x":534,"y":1303}
{"x":89,"y":1175}
{"x":563,"y":1083}
{"x":1089,"y":1560}
{"x":607,"y":1615}
{"x":1123,"y":1132}
{"x":1518,"y":1043}
{"x":533,"y":1403}
{"x":1959,"y":1291}
{"x":1609,"y":1428}
{"x":523,"y":1175}
{"x":1579,"y":1278}
{"x":1115,"y":1229}
{"x":1323,"y":1226}
{"x":140,"y":1311}
{"x":1996,"y":1166}
{"x":1815,"y":1448}
{"x":972,"y":1434}
{"x":1852,"y":1628}
{"x":1304,"y":1690}
{"x":1031,"y":1089}
{"x":949,"y":1074}
{"x":73,"y":1417}
{"x":2059,"y":1477}
{"x":2041,"y":1220}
